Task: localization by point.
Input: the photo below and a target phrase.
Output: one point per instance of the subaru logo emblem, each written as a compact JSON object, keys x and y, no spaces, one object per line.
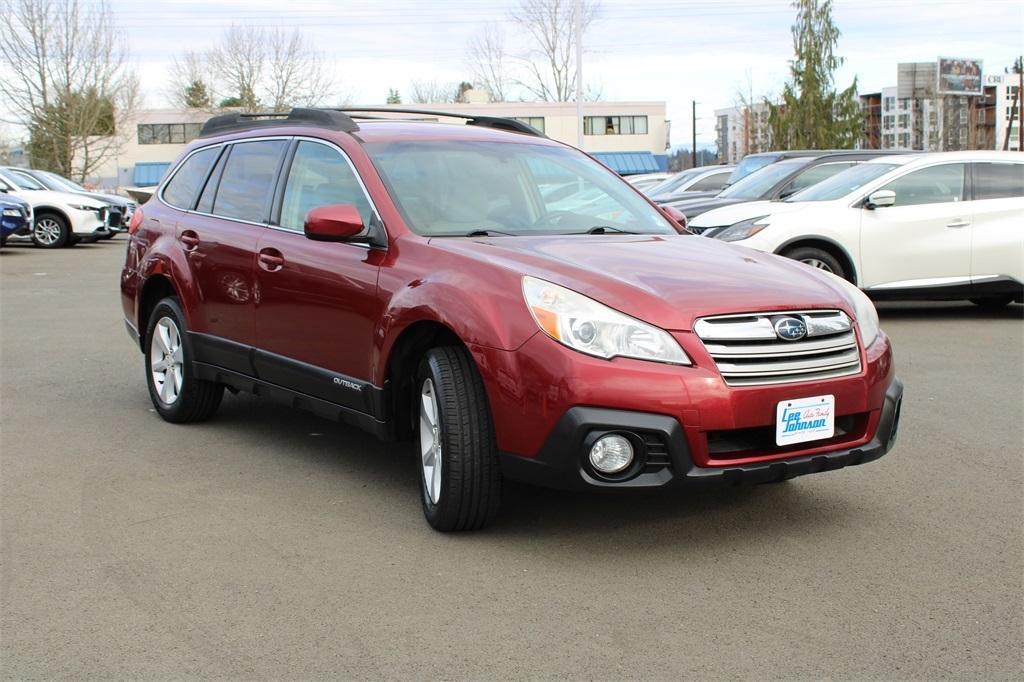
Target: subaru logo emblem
{"x":790,"y":329}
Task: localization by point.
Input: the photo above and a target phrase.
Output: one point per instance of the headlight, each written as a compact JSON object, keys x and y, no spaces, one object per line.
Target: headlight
{"x":742,"y":230}
{"x":12,"y":212}
{"x":589,"y":327}
{"x":863,"y":309}
{"x":83,"y":207}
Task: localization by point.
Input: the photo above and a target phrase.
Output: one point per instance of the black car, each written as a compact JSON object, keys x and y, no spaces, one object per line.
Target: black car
{"x":777,"y":180}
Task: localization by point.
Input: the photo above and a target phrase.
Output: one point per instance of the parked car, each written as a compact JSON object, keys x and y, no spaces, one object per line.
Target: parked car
{"x":59,"y":218}
{"x":643,"y":180}
{"x":15,"y":217}
{"x":753,"y":162}
{"x":121,"y":209}
{"x":777,"y":181}
{"x":414,"y":281}
{"x":702,"y":181}
{"x":934,"y":226}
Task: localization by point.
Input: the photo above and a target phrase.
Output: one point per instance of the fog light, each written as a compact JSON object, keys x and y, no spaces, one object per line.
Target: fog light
{"x":611,"y":454}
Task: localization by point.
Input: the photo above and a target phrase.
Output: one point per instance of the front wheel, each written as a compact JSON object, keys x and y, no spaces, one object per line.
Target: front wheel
{"x":178,"y":395}
{"x":50,"y":231}
{"x":816,"y":258}
{"x":460,"y":482}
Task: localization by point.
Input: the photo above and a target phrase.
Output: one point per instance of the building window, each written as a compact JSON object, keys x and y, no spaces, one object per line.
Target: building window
{"x":614,"y":125}
{"x":168,"y":133}
{"x":904,"y":120}
{"x":532,"y":121}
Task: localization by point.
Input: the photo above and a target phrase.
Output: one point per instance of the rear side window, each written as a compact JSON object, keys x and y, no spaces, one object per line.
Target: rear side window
{"x":181,"y":191}
{"x":320,"y":176}
{"x":247,"y":184}
{"x":933,"y":185}
{"x":710,"y":183}
{"x":998,"y":180}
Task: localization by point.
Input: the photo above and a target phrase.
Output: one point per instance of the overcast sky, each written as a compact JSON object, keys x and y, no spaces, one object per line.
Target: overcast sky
{"x":671,"y":50}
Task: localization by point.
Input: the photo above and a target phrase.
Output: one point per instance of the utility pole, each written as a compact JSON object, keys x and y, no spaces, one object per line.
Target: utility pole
{"x":1018,"y":103}
{"x":693,"y":151}
{"x":579,"y":73}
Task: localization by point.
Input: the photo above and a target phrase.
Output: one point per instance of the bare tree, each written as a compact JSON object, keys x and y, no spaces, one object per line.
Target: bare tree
{"x":550,"y":63}
{"x":268,"y":67}
{"x":191,"y":82}
{"x":490,"y":62}
{"x":68,"y":81}
{"x":432,"y":92}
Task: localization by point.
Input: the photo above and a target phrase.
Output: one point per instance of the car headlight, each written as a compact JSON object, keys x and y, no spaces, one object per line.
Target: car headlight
{"x":12,"y":213}
{"x":863,"y":309}
{"x":744,"y":229}
{"x":83,"y":207}
{"x":589,"y":327}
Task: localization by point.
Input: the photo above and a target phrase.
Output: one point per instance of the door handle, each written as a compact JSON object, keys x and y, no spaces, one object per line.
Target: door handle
{"x":959,"y":222}
{"x":270,"y":260}
{"x":190,"y":239}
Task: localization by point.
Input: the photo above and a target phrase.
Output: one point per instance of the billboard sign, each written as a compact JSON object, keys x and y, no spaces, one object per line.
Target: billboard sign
{"x":959,"y":76}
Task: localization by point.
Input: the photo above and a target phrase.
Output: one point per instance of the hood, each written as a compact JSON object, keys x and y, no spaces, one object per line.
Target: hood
{"x":8,"y":200}
{"x":685,"y":196}
{"x":41,"y":197}
{"x":106,"y":198}
{"x":667,"y":280}
{"x":732,"y":214}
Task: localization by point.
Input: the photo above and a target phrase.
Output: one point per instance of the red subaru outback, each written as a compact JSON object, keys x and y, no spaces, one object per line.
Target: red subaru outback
{"x":502,"y":299}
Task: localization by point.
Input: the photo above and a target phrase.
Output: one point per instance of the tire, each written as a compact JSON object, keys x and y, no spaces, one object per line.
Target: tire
{"x":816,"y":258}
{"x":992,"y":302}
{"x":50,"y":231}
{"x":454,"y":427}
{"x":180,"y":397}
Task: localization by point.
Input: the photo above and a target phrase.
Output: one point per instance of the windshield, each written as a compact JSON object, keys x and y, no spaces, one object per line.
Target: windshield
{"x":669,"y":185}
{"x":751,"y":164}
{"x":757,"y":184}
{"x":63,"y":183}
{"x":25,"y":181}
{"x":841,"y":184}
{"x":455,"y":188}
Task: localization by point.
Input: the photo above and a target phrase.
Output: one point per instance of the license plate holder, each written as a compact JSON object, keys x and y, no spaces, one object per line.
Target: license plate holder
{"x":802,"y":420}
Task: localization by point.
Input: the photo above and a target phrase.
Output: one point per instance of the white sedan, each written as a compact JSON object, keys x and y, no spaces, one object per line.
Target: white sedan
{"x":929,"y":226}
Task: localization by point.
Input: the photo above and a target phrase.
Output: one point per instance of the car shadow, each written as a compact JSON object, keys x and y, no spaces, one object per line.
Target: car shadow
{"x":937,"y":310}
{"x":595,"y":521}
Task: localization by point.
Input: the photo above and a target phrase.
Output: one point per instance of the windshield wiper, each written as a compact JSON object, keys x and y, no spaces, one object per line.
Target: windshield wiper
{"x":487,"y":233}
{"x":604,"y":229}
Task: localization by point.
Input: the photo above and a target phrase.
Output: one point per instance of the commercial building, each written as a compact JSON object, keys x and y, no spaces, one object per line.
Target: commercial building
{"x":629,"y":137}
{"x":742,"y":130}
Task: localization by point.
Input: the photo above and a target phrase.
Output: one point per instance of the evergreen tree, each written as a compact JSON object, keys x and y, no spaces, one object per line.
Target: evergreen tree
{"x":812,"y":114}
{"x":197,"y":96}
{"x":394,"y":97}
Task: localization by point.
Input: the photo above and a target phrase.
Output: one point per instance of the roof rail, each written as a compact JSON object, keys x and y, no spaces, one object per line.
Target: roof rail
{"x":498,"y":122}
{"x":317,"y":118}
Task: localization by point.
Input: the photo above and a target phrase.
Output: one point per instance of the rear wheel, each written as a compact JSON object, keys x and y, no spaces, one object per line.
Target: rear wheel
{"x":50,"y":231}
{"x":816,"y":258}
{"x":177,"y":393}
{"x":460,"y":482}
{"x":992,"y":302}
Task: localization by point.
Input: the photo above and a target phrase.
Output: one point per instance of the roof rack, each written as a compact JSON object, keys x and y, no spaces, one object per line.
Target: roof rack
{"x":317,"y":118}
{"x":497,"y":122}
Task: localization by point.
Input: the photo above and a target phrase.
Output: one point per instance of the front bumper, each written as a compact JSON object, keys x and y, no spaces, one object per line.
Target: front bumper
{"x":665,"y":458}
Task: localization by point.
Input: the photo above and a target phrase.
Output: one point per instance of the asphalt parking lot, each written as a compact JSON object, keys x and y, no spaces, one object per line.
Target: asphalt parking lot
{"x":267,"y":543}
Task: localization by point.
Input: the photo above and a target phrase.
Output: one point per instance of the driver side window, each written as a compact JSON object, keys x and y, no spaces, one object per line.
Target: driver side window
{"x":320,"y":176}
{"x":932,"y":185}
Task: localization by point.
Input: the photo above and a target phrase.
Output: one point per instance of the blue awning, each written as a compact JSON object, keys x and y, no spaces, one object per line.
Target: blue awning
{"x":149,"y":174}
{"x":630,"y":163}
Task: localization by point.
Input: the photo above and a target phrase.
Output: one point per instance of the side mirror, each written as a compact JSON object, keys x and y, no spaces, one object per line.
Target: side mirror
{"x":879,"y":199}
{"x":333,"y":223}
{"x":677,"y":218}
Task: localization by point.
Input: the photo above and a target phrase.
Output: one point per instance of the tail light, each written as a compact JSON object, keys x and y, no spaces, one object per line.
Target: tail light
{"x":136,"y":220}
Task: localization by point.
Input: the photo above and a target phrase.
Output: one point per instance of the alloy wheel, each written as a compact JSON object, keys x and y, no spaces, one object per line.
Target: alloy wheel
{"x":47,"y":231}
{"x":430,"y":441}
{"x":815,"y":263}
{"x":166,"y":360}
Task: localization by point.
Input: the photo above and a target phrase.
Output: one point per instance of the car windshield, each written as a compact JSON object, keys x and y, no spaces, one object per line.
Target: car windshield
{"x":460,"y":188}
{"x":64,"y":183}
{"x":757,"y":184}
{"x":669,"y":185}
{"x":751,"y":164}
{"x":841,"y":184}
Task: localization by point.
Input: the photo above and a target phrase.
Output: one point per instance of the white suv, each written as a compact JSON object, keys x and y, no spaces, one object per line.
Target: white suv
{"x":61,"y":218}
{"x":929,"y":226}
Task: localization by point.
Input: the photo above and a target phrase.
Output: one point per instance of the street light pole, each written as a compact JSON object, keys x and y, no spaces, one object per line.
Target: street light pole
{"x":579,"y":73}
{"x":693,"y":151}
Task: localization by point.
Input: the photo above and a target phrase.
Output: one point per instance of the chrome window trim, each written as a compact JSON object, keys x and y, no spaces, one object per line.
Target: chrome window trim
{"x":160,"y":190}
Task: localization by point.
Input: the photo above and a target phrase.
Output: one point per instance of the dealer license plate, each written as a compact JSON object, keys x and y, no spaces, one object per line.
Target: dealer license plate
{"x":806,"y":419}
